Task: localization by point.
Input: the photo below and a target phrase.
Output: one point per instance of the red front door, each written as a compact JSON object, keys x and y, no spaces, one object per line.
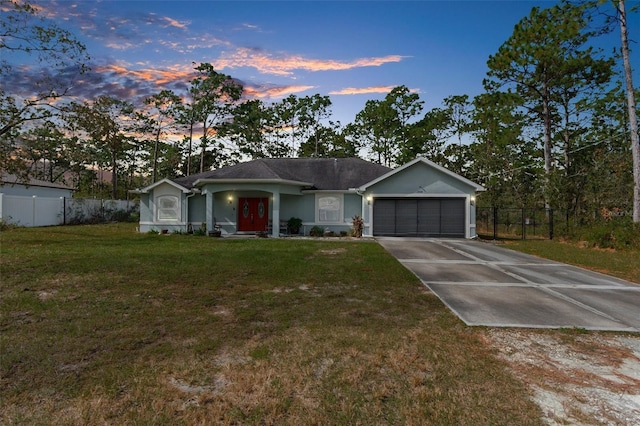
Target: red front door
{"x":253,"y":214}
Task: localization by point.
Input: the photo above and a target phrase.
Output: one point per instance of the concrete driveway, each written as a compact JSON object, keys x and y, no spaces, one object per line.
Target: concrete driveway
{"x":492,"y":286}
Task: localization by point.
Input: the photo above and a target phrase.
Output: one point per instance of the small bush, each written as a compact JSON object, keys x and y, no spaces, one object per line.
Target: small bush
{"x":84,"y":211}
{"x":317,"y":231}
{"x":294,"y":224}
{"x":358,"y":226}
{"x":5,"y":225}
{"x":122,"y":216}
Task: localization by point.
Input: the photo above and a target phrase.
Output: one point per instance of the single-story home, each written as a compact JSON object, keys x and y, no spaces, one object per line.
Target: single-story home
{"x":420,"y":199}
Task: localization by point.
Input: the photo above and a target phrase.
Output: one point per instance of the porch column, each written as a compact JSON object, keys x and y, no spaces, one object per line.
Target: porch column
{"x":209,"y":210}
{"x":275,"y":219}
{"x":366,"y":217}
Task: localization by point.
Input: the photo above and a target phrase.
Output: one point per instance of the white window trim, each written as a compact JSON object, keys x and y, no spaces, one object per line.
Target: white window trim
{"x":340,"y":198}
{"x":159,"y":209}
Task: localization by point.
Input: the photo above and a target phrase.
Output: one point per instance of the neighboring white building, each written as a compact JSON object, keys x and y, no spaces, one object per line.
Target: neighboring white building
{"x":11,"y":185}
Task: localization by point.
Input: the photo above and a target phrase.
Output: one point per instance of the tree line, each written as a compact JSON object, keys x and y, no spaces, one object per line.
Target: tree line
{"x":552,"y":129}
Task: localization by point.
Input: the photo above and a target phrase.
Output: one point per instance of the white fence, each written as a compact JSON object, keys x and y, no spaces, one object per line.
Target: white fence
{"x":47,"y":211}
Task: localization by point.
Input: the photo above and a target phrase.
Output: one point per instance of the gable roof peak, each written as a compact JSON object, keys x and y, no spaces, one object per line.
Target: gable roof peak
{"x":168,"y":181}
{"x":430,"y":164}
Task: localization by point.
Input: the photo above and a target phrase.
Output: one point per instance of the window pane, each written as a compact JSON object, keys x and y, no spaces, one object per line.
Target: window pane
{"x":168,"y":202}
{"x":167,"y":214}
{"x":168,"y":208}
{"x":329,"y":209}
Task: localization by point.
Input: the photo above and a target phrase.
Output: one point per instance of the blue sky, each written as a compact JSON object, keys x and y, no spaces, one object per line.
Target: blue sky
{"x":351,"y":51}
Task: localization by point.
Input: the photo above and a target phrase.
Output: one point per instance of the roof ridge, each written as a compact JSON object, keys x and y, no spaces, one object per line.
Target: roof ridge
{"x":271,"y":169}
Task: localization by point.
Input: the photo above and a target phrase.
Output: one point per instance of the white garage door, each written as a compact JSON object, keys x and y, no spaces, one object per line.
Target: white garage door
{"x":419,"y":217}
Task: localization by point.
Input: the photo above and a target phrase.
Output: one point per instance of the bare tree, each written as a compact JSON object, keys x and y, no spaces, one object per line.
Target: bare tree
{"x":631,"y":105}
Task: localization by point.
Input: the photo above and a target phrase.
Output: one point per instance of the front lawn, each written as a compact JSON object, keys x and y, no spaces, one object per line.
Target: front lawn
{"x":102,"y":325}
{"x":619,"y":263}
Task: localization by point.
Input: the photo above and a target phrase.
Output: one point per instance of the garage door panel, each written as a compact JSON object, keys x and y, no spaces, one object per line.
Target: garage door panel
{"x":406,"y":217}
{"x":429,"y":217}
{"x":384,"y":217}
{"x":453,"y":218}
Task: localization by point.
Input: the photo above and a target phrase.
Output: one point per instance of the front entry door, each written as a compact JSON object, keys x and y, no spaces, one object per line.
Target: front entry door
{"x":253,"y":214}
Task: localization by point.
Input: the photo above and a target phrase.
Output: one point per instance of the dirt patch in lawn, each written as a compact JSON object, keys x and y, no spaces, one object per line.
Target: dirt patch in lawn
{"x":575,"y":378}
{"x":333,"y":252}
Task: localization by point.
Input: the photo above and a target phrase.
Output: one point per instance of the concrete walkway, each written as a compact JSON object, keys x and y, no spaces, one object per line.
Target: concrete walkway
{"x":492,"y":286}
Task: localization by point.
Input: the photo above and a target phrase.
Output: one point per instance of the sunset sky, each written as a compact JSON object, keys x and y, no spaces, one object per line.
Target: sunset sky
{"x":351,"y":51}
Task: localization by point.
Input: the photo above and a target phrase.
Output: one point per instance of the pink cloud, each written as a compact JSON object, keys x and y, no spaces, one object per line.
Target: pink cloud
{"x":366,"y":90}
{"x":170,"y":76}
{"x":270,"y":64}
{"x":156,"y":76}
{"x":174,"y":23}
{"x":273,"y":92}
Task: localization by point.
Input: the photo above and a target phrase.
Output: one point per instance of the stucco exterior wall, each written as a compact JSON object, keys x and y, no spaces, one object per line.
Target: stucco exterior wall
{"x":352,"y":207}
{"x":146,"y":213}
{"x":196,"y":209}
{"x":296,"y":206}
{"x":421,"y":179}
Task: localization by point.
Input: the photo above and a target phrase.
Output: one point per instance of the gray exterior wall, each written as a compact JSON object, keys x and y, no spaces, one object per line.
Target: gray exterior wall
{"x":352,"y":207}
{"x":197,"y":212}
{"x":146,"y":213}
{"x":295,"y":206}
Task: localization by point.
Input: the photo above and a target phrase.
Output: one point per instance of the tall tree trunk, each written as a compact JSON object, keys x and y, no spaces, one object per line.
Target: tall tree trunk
{"x":566,"y":135}
{"x":189,"y":151}
{"x":155,"y":155}
{"x":546,"y":117}
{"x":203,"y":150}
{"x":293,"y":135}
{"x":631,"y":105}
{"x":202,"y":158}
{"x":114,"y":177}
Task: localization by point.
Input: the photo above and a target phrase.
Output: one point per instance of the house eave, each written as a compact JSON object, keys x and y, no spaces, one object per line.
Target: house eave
{"x":332,"y":191}
{"x":147,"y":189}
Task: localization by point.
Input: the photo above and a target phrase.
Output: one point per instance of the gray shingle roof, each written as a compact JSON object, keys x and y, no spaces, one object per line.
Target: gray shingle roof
{"x":322,"y":173}
{"x":11,"y":179}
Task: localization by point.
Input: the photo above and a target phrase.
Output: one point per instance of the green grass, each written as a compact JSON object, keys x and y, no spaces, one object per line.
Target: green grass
{"x":102,"y":325}
{"x":619,"y":263}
